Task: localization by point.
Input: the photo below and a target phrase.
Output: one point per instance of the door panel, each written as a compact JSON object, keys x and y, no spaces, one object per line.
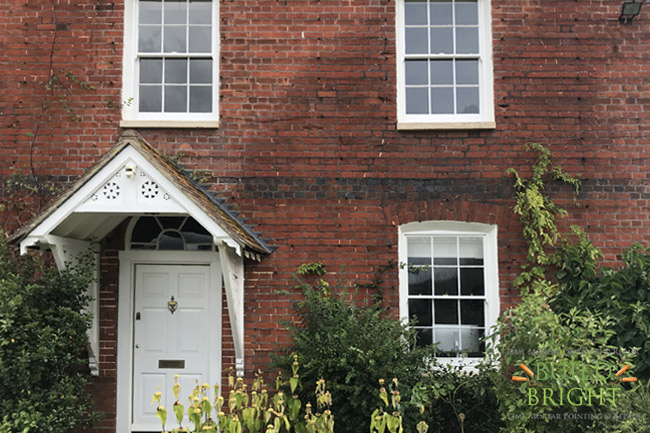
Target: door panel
{"x":160,"y":335}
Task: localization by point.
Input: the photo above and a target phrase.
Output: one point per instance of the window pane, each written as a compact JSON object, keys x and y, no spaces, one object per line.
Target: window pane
{"x":441,"y":40}
{"x":417,"y":100}
{"x":201,"y":71}
{"x":472,"y":341}
{"x":467,"y":99}
{"x":446,"y":312}
{"x":471,"y":313}
{"x":175,"y":12}
{"x":143,"y":247}
{"x":175,"y":39}
{"x":442,"y":72}
{"x":420,"y":281}
{"x":171,"y":240}
{"x":151,"y":70}
{"x":192,"y":228}
{"x":200,"y":99}
{"x":419,"y":250}
{"x":175,"y":99}
{"x":440,"y":12}
{"x":471,"y":282}
{"x":150,"y":12}
{"x":149,"y":39}
{"x":416,"y":72}
{"x":466,"y":13}
{"x":172,"y":222}
{"x":196,"y":238}
{"x":415,"y":13}
{"x":467,"y":72}
{"x":200,"y":12}
{"x":471,"y":251}
{"x":416,"y":41}
{"x":175,"y":70}
{"x":200,"y":39}
{"x":150,"y":99}
{"x":424,"y":337}
{"x":146,"y":230}
{"x":448,"y":339}
{"x":445,"y":251}
{"x":421,"y":310}
{"x":442,"y":100}
{"x":445,"y":281}
{"x":467,"y":40}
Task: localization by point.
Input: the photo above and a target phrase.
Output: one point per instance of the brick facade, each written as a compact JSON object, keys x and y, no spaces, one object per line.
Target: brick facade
{"x":307,"y":146}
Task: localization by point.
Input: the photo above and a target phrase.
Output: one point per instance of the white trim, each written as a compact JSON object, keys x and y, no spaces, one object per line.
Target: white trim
{"x":128,"y":260}
{"x":128,"y":155}
{"x":491,"y":266}
{"x":414,"y":126}
{"x":233,"y":278}
{"x":213,"y":124}
{"x":486,"y":79}
{"x":131,"y":117}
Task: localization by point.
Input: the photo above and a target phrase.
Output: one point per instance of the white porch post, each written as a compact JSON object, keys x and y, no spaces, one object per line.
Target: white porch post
{"x":232,"y":266}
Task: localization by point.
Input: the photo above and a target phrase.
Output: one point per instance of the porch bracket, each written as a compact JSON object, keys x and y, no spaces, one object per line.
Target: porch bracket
{"x":232,"y":267}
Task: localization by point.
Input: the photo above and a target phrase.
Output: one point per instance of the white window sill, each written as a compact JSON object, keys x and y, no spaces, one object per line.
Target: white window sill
{"x":214,"y":124}
{"x":421,"y":126}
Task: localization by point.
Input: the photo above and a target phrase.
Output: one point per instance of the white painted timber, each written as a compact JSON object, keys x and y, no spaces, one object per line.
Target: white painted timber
{"x":232,"y":266}
{"x":111,"y":191}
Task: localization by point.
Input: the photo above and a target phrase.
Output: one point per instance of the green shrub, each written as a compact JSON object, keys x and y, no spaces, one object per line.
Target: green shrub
{"x":564,"y":352}
{"x":632,"y":414}
{"x":622,"y":293}
{"x":352,"y":345}
{"x":43,"y":345}
{"x":457,"y":401}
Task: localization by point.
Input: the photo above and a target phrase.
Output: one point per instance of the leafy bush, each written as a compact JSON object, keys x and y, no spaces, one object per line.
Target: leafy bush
{"x":551,"y":354}
{"x":455,"y":400}
{"x":352,"y":346}
{"x":622,"y":293}
{"x":43,"y":345}
{"x":632,"y":414}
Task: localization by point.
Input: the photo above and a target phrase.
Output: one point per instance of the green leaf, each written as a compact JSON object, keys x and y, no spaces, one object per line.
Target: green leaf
{"x":179,"y":411}
{"x":393,"y":423}
{"x":293,"y":383}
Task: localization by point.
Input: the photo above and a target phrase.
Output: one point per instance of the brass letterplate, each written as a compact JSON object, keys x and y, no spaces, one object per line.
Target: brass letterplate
{"x":171,"y":363}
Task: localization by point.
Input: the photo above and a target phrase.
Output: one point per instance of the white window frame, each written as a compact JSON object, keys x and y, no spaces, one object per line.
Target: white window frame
{"x":131,"y":116}
{"x":485,"y":118}
{"x":490,"y":263}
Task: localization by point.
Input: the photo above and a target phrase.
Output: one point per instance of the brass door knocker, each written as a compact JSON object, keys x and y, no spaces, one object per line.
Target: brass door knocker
{"x":172,"y":305}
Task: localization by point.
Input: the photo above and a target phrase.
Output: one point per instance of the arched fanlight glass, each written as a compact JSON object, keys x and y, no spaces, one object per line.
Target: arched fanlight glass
{"x":170,"y":233}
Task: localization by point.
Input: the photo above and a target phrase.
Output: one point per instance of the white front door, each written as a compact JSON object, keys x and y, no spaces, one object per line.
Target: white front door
{"x":170,"y":337}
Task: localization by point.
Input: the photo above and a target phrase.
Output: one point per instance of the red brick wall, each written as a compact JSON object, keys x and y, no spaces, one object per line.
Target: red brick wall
{"x":104,"y":387}
{"x":308,"y":148}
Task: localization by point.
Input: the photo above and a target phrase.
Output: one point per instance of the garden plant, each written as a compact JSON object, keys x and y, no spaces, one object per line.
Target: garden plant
{"x":43,"y":345}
